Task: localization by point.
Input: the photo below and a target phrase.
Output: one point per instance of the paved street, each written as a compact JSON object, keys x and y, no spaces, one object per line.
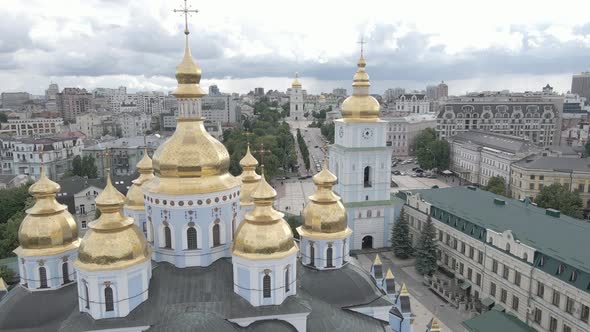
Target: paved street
{"x":292,"y":194}
{"x":425,"y":303}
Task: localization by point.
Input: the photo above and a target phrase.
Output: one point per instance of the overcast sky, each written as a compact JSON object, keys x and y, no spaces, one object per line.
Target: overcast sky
{"x":471,"y":45}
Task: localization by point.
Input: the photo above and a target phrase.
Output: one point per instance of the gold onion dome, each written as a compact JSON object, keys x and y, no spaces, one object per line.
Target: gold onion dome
{"x":113,"y":241}
{"x":360,"y":106}
{"x":264,"y":234}
{"x":134,"y":198}
{"x":324,"y":216}
{"x":191,"y":161}
{"x":48,"y":228}
{"x":296,"y":84}
{"x":249,"y":177}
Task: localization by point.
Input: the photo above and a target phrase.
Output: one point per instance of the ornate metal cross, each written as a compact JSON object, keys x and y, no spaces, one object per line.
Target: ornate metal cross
{"x":362,"y":42}
{"x":187,"y":11}
{"x":262,"y":152}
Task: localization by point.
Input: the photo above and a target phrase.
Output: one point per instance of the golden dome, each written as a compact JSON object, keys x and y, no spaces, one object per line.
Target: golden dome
{"x":135,"y":200}
{"x":324,"y":216}
{"x":360,"y":107}
{"x":48,"y":228}
{"x":264,"y":234}
{"x":434,"y":325}
{"x":191,"y":162}
{"x":249,"y":177}
{"x":113,"y":241}
{"x":296,"y":84}
{"x":188,"y":76}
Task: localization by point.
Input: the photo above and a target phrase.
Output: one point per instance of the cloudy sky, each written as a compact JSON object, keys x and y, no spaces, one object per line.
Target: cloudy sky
{"x":471,"y":45}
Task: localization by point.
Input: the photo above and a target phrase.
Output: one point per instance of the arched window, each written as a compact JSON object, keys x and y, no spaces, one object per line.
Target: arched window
{"x":65,"y":273}
{"x":508,"y":247}
{"x":266,"y":286}
{"x":560,"y":269}
{"x":296,"y":107}
{"x":311,"y":255}
{"x":369,"y":214}
{"x":108,"y":299}
{"x":167,"y":238}
{"x":216,"y":239}
{"x":343,"y":251}
{"x":287,"y":281}
{"x":367,"y":177}
{"x":329,"y":257}
{"x":86,"y":299}
{"x":43,"y":277}
{"x":191,"y":238}
{"x":525,"y":256}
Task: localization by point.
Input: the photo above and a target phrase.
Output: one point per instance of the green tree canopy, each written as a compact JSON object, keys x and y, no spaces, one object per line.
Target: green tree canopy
{"x":3,"y":117}
{"x":426,"y":251}
{"x":559,"y":197}
{"x":12,"y":200}
{"x":327,"y":130}
{"x":497,"y":185}
{"x":9,"y":229}
{"x":84,"y":167}
{"x":400,"y":237}
{"x":436,"y":154}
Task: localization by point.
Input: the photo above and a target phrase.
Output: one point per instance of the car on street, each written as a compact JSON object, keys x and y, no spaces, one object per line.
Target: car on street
{"x":396,"y":172}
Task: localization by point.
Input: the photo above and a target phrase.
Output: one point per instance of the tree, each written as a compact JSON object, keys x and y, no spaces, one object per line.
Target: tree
{"x":497,"y":185}
{"x":400,"y":237}
{"x":327,"y":130}
{"x":6,"y":274}
{"x":12,"y":200}
{"x":426,"y":252}
{"x":560,"y":197}
{"x":587,"y":147}
{"x":436,"y":154}
{"x":77,"y":166}
{"x":89,"y":167}
{"x":3,"y":117}
{"x":424,"y":138}
{"x":9,"y":230}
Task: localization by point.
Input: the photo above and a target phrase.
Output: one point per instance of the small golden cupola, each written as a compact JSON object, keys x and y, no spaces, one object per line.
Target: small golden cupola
{"x":134,"y":199}
{"x":48,"y":228}
{"x":113,"y":241}
{"x":264,"y":234}
{"x":191,"y":161}
{"x":249,"y":177}
{"x":324,"y":216}
{"x":296,"y":84}
{"x":360,"y":107}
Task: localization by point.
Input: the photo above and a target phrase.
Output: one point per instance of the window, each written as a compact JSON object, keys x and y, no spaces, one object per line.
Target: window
{"x":538,"y":315}
{"x":469,"y":273}
{"x":43,"y":277}
{"x":515,"y":302}
{"x":367,"y":177}
{"x":556,"y":298}
{"x":167,"y":238}
{"x":516,"y":278}
{"x":65,"y":272}
{"x":471,"y":252}
{"x":540,"y":289}
{"x":463,"y":248}
{"x":479,"y":256}
{"x":83,"y":224}
{"x":541,"y":186}
{"x":478,"y":279}
{"x":508,"y":247}
{"x":329,"y":257}
{"x":585,"y":312}
{"x":566,"y":328}
{"x":266,"y":286}
{"x":493,"y":289}
{"x":86,"y":294}
{"x":531,"y":186}
{"x":560,"y":269}
{"x":82,"y":209}
{"x":569,"y":305}
{"x":581,"y":187}
{"x":108,"y":299}
{"x":503,"y":295}
{"x":216,"y":236}
{"x":552,"y":324}
{"x":532,"y":177}
{"x":505,"y":272}
{"x":495,"y":266}
{"x":541,"y":177}
{"x":311,"y":255}
{"x":461,"y":266}
{"x":191,"y":238}
{"x":287,"y":282}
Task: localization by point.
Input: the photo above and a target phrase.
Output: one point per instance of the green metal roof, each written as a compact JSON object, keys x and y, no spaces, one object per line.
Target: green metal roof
{"x":556,"y":237}
{"x":494,"y":321}
{"x":394,"y":200}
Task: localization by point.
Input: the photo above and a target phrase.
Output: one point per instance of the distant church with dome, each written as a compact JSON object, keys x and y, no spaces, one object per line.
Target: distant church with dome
{"x":193,"y":248}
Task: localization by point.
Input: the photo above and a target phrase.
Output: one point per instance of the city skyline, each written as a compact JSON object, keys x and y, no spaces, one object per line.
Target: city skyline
{"x":135,"y":44}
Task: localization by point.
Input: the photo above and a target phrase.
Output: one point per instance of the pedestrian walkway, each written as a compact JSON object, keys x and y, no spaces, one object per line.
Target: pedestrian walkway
{"x":425,"y":304}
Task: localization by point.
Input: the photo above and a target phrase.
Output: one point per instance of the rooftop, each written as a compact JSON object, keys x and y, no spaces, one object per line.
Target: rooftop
{"x":557,"y":237}
{"x":506,"y":143}
{"x":493,"y":321}
{"x":555,"y":164}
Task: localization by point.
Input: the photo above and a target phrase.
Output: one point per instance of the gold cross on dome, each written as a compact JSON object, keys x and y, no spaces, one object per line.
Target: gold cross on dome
{"x":41,"y":154}
{"x":187,"y":11}
{"x":107,"y":155}
{"x":362,"y":42}
{"x":247,"y":133}
{"x":262,"y":152}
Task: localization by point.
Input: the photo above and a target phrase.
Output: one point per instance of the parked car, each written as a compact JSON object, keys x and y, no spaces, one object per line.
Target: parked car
{"x":396,"y":172}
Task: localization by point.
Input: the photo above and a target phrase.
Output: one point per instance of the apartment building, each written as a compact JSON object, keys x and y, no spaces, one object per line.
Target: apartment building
{"x":402,"y":131}
{"x":32,"y":127}
{"x":476,"y":156}
{"x":511,"y":255}
{"x":72,"y":102}
{"x":412,"y":103}
{"x":537,"y":118}
{"x":530,"y":175}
